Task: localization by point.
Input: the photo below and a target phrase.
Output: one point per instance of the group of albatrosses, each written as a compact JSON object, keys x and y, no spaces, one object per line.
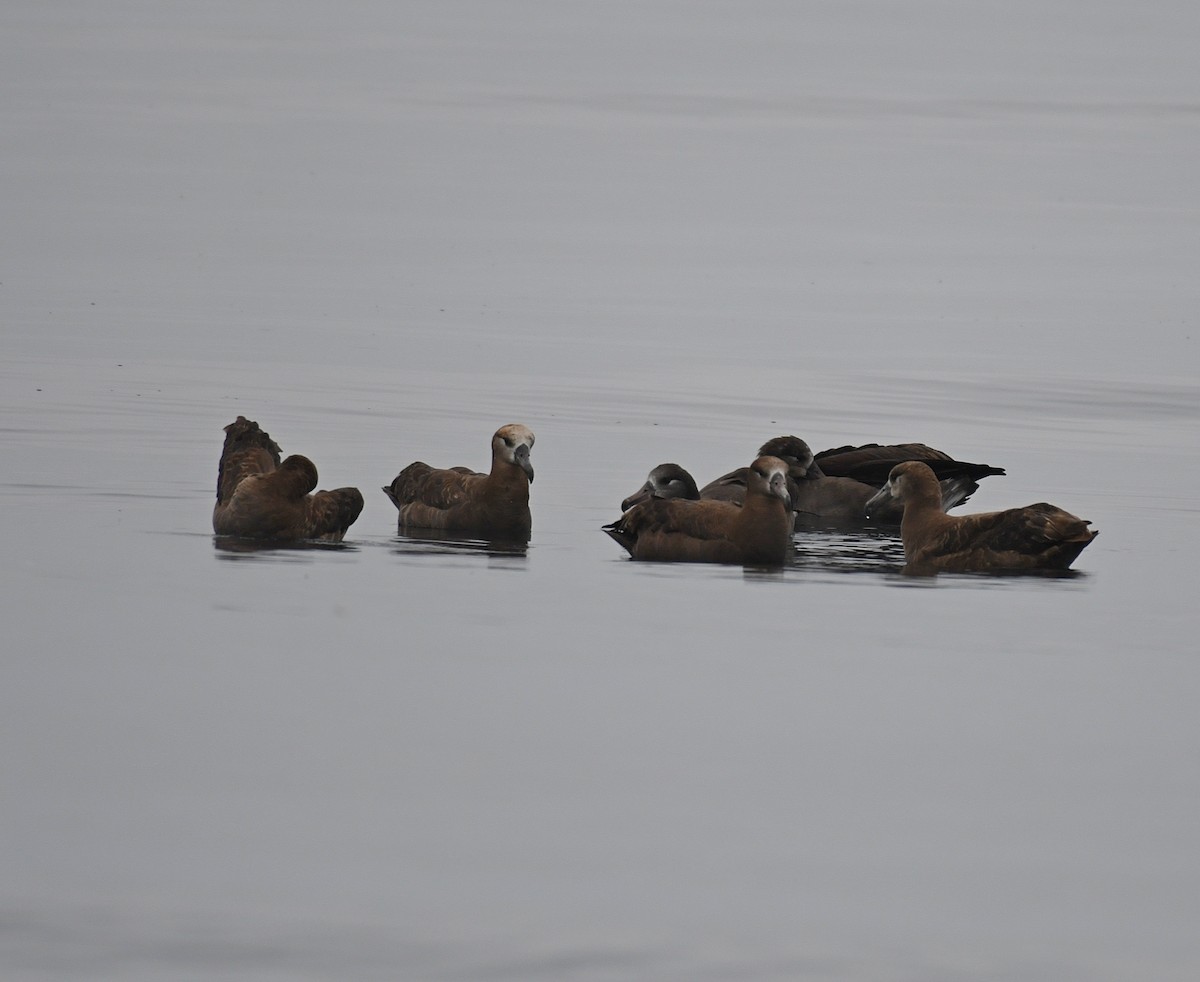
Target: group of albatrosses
{"x":745,"y":517}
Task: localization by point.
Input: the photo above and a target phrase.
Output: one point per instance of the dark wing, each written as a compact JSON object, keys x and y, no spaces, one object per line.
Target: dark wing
{"x":851,"y":456}
{"x":996,"y":531}
{"x":441,"y":489}
{"x":677,"y":530}
{"x":872,"y":462}
{"x":729,"y":487}
{"x":328,"y":514}
{"x":1036,"y":528}
{"x":1062,"y":526}
{"x":703,"y":520}
{"x":676,"y":516}
{"x":1039,"y":535}
{"x":248,"y":450}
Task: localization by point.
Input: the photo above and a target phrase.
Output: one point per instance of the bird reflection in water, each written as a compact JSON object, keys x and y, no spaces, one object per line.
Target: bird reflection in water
{"x":439,"y":542}
{"x":237,"y":547}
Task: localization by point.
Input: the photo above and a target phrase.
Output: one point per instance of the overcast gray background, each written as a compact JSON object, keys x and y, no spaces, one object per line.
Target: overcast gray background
{"x":649,"y":231}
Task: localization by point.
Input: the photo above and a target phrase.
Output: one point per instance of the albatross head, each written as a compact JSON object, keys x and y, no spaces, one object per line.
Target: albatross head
{"x":908,"y":481}
{"x":768,"y":476}
{"x":665,"y":481}
{"x":793,"y":451}
{"x":512,"y":444}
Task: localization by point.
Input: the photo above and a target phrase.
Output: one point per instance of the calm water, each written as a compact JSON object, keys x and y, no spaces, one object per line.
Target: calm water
{"x":650,"y":233}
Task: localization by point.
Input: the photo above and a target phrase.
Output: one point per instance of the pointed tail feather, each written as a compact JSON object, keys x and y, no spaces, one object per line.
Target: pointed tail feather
{"x":331,"y":513}
{"x":956,"y":490}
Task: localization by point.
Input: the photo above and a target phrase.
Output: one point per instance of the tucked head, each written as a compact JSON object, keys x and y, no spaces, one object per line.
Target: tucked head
{"x":299,"y":473}
{"x":665,"y":481}
{"x":792,"y":451}
{"x":512,"y":444}
{"x":768,"y":476}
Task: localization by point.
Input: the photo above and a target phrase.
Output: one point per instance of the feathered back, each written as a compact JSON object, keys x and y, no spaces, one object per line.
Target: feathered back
{"x":437,"y":488}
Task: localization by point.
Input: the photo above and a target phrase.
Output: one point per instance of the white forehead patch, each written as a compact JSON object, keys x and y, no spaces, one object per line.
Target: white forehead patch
{"x":515,"y":434}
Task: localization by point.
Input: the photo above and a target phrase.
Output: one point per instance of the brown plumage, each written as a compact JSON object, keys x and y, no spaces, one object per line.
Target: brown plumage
{"x":678,"y":530}
{"x":836,"y":484}
{"x":1039,"y":536}
{"x":871,"y":463}
{"x":492,"y":505}
{"x":258,"y":497}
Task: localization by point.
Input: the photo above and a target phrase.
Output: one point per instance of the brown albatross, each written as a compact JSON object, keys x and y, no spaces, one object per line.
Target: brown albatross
{"x":836,"y":484}
{"x":680,"y":530}
{"x":492,"y":505}
{"x":1039,"y":536}
{"x":258,"y":497}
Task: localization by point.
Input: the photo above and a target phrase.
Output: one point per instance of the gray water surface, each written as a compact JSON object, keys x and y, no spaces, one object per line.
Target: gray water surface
{"x":649,"y":231}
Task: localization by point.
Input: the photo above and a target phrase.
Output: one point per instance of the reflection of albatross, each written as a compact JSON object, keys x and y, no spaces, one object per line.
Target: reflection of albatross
{"x":488,"y":505}
{"x":260,"y":498}
{"x":675,"y":530}
{"x":1037,"y":536}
